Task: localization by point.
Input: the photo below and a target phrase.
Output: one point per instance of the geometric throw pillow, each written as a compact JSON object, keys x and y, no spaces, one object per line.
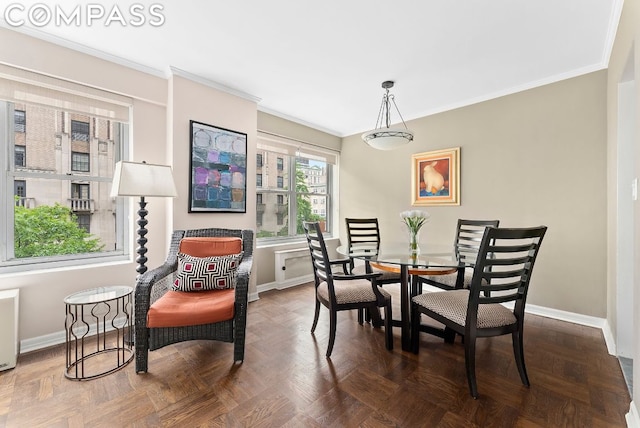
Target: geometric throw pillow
{"x":206,"y":273}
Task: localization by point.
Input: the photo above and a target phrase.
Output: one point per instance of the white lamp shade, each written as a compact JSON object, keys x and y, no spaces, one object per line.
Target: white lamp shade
{"x":142,"y":179}
{"x":387,"y":138}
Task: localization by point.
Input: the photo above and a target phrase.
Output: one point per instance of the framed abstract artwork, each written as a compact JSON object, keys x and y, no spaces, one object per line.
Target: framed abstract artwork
{"x":218,"y":169}
{"x":435,"y":177}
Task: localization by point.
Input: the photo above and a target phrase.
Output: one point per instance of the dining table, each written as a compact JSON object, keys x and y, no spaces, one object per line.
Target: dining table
{"x":394,"y":257}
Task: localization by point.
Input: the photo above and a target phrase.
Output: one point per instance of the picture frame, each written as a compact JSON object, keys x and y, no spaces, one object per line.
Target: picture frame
{"x":217,"y":169}
{"x":436,"y":177}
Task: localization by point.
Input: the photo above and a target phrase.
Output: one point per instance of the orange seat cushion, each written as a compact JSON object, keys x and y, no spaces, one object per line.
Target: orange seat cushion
{"x":210,"y":246}
{"x":179,"y":308}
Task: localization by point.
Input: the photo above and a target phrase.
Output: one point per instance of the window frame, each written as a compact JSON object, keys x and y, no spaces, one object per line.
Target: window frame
{"x":20,"y":126}
{"x":289,"y":191}
{"x":75,"y":163}
{"x":24,"y":155}
{"x":8,"y":263}
{"x":86,"y":136}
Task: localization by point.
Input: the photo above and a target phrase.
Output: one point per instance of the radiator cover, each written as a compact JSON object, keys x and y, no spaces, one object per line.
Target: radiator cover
{"x":8,"y":329}
{"x":293,"y":267}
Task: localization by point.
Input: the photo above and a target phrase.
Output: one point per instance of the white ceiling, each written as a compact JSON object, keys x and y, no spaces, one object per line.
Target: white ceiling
{"x":322,"y":63}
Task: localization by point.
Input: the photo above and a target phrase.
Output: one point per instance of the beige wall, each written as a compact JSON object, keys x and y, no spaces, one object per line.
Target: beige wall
{"x":194,"y":101}
{"x":626,"y":46}
{"x":535,"y":157}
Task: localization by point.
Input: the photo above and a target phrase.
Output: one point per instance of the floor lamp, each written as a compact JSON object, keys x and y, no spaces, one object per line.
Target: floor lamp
{"x":143,"y":180}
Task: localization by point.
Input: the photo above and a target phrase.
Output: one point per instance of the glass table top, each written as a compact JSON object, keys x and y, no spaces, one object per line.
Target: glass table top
{"x":98,"y":294}
{"x":396,"y":254}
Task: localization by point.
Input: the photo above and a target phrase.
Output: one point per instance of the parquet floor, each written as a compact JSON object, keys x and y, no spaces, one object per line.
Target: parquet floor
{"x":286,"y":380}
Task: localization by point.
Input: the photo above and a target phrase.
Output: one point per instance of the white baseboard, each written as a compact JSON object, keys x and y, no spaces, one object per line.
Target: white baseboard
{"x":632,"y":418}
{"x":40,"y":342}
{"x":572,"y":317}
{"x":59,"y":337}
{"x":609,"y":339}
{"x":275,"y":285}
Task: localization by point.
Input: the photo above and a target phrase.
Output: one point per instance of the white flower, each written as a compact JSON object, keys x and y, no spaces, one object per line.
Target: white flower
{"x":414,"y":219}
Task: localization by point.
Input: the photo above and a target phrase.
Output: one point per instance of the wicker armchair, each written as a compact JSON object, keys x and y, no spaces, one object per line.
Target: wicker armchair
{"x":153,"y":284}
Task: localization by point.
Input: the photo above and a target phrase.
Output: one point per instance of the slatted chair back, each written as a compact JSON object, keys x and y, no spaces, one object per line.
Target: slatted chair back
{"x":322,"y":271}
{"x":503,"y":269}
{"x":465,"y":247}
{"x":468,"y":237}
{"x":363,"y":233}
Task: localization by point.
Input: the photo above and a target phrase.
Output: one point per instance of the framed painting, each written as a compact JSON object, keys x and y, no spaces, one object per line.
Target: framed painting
{"x":436,"y":177}
{"x":218,"y":169}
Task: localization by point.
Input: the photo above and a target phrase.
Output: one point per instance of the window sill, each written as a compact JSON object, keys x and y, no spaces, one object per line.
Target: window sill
{"x":33,"y":269}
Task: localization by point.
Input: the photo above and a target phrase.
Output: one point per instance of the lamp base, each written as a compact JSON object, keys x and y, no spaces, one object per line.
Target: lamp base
{"x":142,"y":240}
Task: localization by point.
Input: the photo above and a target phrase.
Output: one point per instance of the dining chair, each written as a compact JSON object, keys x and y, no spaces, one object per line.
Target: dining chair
{"x":364,"y":234}
{"x":465,"y":247}
{"x":340,"y":292}
{"x":503,"y":269}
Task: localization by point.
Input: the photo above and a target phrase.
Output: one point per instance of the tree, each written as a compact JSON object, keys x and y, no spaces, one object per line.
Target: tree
{"x":50,"y":231}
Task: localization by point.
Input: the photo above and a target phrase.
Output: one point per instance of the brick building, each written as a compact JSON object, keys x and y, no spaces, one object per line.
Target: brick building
{"x":67,"y":158}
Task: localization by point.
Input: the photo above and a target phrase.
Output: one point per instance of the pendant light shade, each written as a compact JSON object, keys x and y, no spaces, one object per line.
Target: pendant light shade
{"x":384,"y":137}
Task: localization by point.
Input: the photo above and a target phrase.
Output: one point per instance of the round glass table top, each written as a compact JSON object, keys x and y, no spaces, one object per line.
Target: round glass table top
{"x":431,"y":256}
{"x":98,"y":294}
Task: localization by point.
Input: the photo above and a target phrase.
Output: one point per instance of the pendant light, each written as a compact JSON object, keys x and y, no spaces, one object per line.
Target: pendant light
{"x":384,"y":137}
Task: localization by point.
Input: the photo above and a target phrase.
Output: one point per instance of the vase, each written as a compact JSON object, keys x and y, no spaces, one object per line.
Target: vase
{"x":414,"y":247}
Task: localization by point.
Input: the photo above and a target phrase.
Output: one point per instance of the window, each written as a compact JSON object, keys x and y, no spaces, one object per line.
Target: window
{"x":259,"y":180}
{"x":84,"y":222}
{"x":19,"y":121}
{"x":20,"y":188}
{"x":20,"y":154}
{"x":80,"y":162}
{"x":60,"y":181}
{"x":297,"y":189}
{"x":79,"y":191}
{"x":20,"y":192}
{"x":259,"y":199}
{"x":259,"y":160}
{"x":79,"y":131}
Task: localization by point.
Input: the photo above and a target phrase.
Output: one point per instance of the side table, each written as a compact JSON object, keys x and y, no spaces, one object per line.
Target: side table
{"x":97,"y":323}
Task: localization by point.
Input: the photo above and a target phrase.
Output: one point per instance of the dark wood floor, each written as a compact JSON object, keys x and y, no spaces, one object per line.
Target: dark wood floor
{"x":286,"y":380}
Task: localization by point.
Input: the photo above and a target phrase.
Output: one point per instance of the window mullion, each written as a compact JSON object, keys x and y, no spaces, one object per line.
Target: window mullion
{"x":293,"y":200}
{"x":6,"y":182}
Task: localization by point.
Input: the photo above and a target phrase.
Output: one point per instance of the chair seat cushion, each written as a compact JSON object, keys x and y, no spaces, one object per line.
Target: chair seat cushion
{"x":179,"y":309}
{"x":453,"y":305}
{"x":386,"y":275}
{"x":206,"y":273}
{"x":351,"y":291}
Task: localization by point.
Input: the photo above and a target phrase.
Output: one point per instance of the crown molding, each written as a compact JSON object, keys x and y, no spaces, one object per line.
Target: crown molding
{"x":174,"y":71}
{"x":300,"y":121}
